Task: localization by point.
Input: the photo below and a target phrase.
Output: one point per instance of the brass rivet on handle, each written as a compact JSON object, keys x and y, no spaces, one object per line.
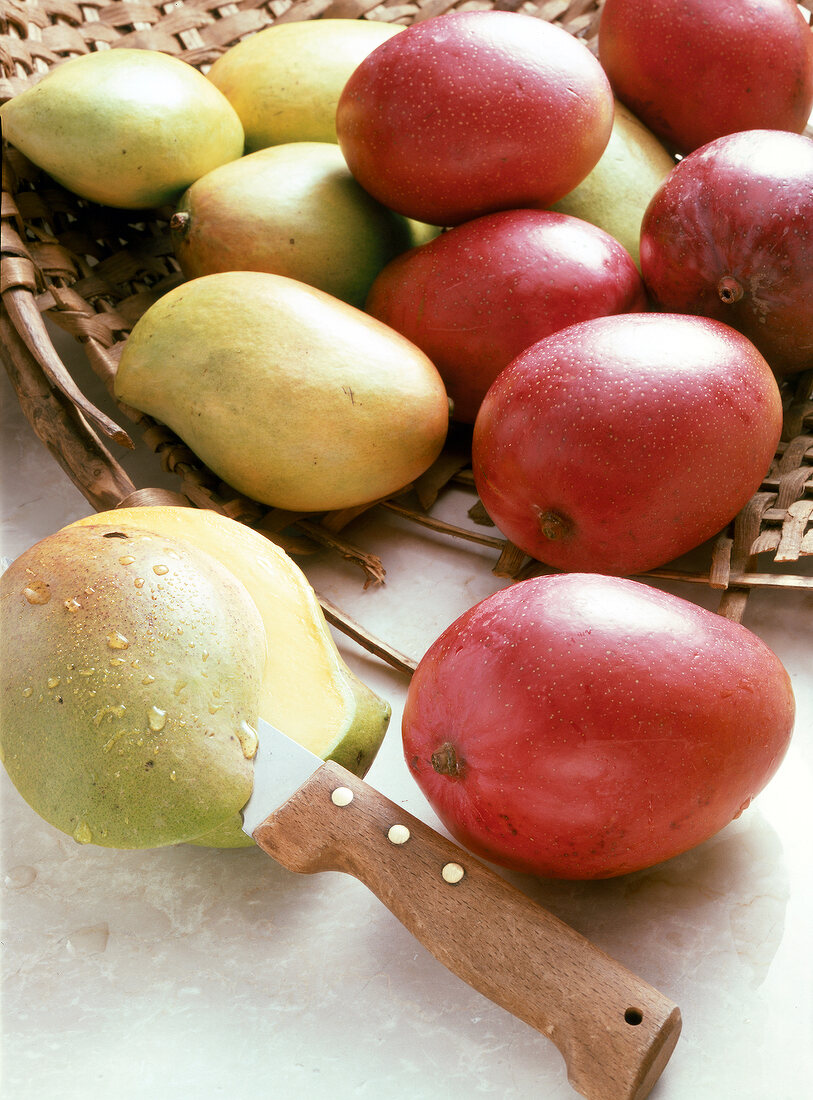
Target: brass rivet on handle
{"x":452,"y":873}
{"x":398,"y":834}
{"x":342,"y":796}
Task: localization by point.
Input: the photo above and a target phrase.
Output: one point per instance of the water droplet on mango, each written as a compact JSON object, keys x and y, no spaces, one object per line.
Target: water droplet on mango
{"x":157,"y":719}
{"x":128,"y":559}
{"x":72,"y":605}
{"x":160,"y":570}
{"x":117,"y":641}
{"x":82,"y":833}
{"x":249,"y":742}
{"x":37,"y":592}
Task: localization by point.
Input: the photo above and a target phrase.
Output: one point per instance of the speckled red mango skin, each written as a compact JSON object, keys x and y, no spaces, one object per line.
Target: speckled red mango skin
{"x":741,"y":207}
{"x":476,"y":296}
{"x":647,"y":431}
{"x":693,"y":70}
{"x":601,"y":726}
{"x":472,"y":112}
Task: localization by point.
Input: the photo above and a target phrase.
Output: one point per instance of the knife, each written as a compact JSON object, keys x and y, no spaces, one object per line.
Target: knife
{"x":615,"y":1031}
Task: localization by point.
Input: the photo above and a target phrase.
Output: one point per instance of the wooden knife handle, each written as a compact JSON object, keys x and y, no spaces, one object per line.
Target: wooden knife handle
{"x":615,"y":1031}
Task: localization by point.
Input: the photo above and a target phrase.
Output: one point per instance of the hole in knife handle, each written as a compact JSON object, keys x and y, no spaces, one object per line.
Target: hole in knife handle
{"x":634,"y":1016}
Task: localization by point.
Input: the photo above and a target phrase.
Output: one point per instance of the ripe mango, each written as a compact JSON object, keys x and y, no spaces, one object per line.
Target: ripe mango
{"x":291,"y":210}
{"x":285,"y":81}
{"x":131,"y":676}
{"x":307,"y":690}
{"x":293,"y":397}
{"x":127,"y":128}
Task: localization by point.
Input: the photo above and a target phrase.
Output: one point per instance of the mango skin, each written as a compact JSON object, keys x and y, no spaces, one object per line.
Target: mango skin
{"x":290,"y":210}
{"x":696,"y":70}
{"x":528,"y":273}
{"x":471,"y":112}
{"x":307,"y":689}
{"x":285,"y":81}
{"x":597,"y":725}
{"x":558,"y":472}
{"x":291,"y":396}
{"x":131,"y":674}
{"x":618,"y":190}
{"x":125,"y":128}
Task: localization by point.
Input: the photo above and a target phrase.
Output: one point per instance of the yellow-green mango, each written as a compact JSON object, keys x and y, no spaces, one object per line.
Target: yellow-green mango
{"x":290,"y":395}
{"x":421,"y":233}
{"x":132,"y":668}
{"x":616,"y":193}
{"x":293,"y":210}
{"x":285,"y":81}
{"x":123,"y":127}
{"x":307,"y":690}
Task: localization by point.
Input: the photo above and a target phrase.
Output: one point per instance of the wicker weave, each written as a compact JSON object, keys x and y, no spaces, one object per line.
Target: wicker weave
{"x":93,"y":271}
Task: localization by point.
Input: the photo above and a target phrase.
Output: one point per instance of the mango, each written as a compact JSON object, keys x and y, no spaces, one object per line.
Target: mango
{"x":126,"y":128}
{"x":285,"y":81}
{"x":291,"y":396}
{"x":307,"y":689}
{"x":291,"y":210}
{"x":616,"y":193}
{"x":132,"y":667}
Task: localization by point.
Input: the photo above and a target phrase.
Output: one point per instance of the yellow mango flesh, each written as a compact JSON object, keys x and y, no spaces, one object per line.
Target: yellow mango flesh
{"x":126,"y":128}
{"x":293,"y":397}
{"x":285,"y":81}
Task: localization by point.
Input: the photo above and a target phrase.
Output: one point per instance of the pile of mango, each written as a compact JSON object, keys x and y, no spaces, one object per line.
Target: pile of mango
{"x":381,"y":228}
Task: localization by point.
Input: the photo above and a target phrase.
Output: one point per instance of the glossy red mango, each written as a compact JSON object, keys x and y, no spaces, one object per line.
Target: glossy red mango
{"x":472,"y":112}
{"x":618,"y":444}
{"x":476,"y":296}
{"x":730,"y":235}
{"x":579,"y":726}
{"x":694,"y":70}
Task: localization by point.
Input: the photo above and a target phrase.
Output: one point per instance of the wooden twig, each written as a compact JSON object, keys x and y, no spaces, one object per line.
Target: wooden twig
{"x":365,"y":639}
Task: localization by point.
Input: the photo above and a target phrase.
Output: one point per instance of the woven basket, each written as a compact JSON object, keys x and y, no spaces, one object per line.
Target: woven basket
{"x":93,"y":271}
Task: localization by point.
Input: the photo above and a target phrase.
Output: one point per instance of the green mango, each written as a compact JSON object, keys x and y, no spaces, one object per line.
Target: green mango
{"x":291,"y":210}
{"x":307,"y":689}
{"x":126,"y":128}
{"x":616,"y":193}
{"x":285,"y":81}
{"x":132,"y":669}
{"x":290,"y":395}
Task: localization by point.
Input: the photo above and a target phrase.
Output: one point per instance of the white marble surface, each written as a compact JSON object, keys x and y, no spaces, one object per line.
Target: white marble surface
{"x":189,"y":972}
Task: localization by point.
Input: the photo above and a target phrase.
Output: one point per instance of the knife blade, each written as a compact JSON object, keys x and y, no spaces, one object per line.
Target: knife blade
{"x":615,"y":1031}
